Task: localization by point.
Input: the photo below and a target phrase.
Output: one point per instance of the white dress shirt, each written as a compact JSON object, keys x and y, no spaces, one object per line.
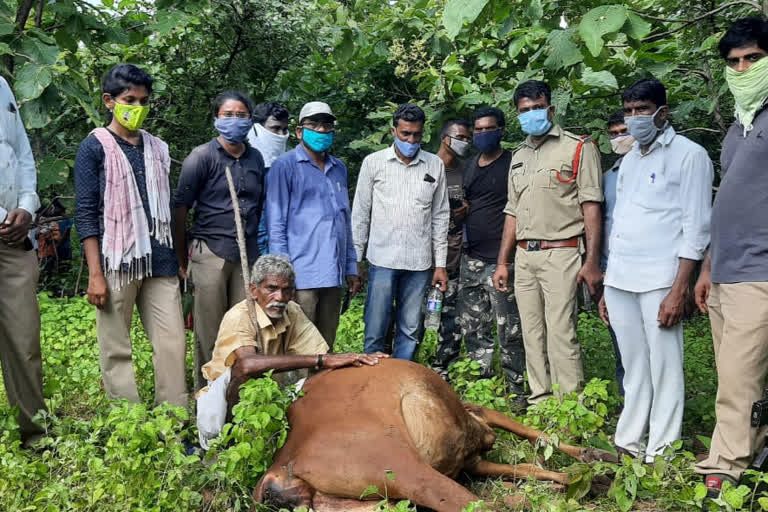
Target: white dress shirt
{"x":18,"y":176}
{"x":401,"y":211}
{"x":662,"y":213}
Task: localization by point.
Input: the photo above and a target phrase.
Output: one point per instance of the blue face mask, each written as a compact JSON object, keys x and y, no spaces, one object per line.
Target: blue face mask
{"x":487,"y":142}
{"x":407,"y":149}
{"x":316,"y":141}
{"x":233,"y":129}
{"x":535,"y":122}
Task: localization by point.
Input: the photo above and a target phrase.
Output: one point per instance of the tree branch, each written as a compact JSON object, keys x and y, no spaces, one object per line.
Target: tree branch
{"x":699,"y":129}
{"x":685,"y":23}
{"x":39,"y":13}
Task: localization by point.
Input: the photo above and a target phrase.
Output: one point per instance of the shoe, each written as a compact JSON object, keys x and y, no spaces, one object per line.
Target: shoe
{"x":714,"y":483}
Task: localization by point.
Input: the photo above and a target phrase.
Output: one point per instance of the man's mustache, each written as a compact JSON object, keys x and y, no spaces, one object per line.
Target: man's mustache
{"x":277,"y":304}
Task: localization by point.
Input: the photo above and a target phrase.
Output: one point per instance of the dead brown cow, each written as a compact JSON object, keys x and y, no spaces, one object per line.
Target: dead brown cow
{"x":354,"y":425}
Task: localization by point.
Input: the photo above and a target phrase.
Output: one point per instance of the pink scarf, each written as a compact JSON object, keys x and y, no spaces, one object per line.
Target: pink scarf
{"x":126,"y":231}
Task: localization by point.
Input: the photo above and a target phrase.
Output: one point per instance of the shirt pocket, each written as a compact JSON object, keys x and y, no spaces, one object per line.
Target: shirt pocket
{"x":521,"y":182}
{"x":423,"y":194}
{"x":656,"y":190}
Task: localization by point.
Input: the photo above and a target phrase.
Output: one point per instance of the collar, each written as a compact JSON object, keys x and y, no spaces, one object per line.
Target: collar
{"x":555,"y":131}
{"x":665,"y":139}
{"x":302,"y":156}
{"x":391,"y":155}
{"x":265,"y":323}
{"x":217,"y":145}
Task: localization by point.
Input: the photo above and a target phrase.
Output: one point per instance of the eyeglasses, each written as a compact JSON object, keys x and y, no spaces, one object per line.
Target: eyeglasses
{"x":230,"y":114}
{"x":314,"y":125}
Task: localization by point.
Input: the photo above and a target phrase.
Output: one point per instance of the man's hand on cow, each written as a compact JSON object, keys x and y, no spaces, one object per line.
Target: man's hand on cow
{"x":440,"y":277}
{"x":15,"y":227}
{"x":331,"y":361}
{"x":671,"y":309}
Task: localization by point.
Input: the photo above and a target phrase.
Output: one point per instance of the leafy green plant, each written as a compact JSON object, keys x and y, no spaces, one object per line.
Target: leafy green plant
{"x":244,"y":450}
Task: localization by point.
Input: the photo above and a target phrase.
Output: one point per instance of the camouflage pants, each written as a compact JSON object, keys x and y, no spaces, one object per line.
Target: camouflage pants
{"x":449,"y":334}
{"x":480,"y":304}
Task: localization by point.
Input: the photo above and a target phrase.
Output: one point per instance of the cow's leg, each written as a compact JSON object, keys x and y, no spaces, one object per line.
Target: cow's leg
{"x":325,"y":503}
{"x":486,"y":468}
{"x":496,"y":419}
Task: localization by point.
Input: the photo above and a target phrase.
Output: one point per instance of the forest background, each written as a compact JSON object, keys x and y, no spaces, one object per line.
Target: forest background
{"x":362,"y":57}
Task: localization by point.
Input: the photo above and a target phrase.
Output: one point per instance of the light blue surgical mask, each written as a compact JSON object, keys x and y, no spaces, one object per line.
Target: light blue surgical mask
{"x":643,"y":127}
{"x":317,"y":141}
{"x":407,"y":149}
{"x":535,"y":122}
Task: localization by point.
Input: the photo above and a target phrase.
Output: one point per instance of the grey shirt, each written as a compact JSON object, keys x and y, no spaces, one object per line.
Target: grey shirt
{"x":203,"y":186}
{"x":739,"y":248}
{"x":400,"y":214}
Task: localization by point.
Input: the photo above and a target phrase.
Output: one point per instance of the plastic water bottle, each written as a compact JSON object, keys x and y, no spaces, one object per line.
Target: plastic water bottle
{"x":434,"y":308}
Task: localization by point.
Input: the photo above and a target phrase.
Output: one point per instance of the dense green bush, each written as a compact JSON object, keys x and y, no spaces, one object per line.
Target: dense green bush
{"x":117,"y":456}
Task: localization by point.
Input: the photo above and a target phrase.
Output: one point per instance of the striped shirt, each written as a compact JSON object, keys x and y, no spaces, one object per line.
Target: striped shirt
{"x":401,"y":211}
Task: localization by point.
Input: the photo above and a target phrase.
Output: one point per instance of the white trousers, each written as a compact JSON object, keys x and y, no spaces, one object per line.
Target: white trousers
{"x":653,"y":362}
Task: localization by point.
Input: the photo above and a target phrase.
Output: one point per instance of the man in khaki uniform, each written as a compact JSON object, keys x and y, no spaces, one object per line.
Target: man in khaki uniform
{"x":19,"y":314}
{"x":551,"y":207}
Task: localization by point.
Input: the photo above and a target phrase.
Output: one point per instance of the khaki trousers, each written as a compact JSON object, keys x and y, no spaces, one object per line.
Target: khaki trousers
{"x":20,"y":336}
{"x":323,"y":308}
{"x":738,"y":313}
{"x":218,"y":287}
{"x":545,"y":288}
{"x":159,"y":303}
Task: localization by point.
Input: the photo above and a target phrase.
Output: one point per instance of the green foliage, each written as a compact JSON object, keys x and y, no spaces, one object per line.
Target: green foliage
{"x":116,"y":456}
{"x":465,"y":378}
{"x":244,"y":450}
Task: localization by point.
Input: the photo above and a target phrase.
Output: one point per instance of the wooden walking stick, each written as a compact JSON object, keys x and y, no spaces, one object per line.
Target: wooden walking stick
{"x":244,"y":259}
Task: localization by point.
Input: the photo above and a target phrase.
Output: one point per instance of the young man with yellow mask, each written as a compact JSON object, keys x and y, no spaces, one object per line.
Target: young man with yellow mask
{"x":123,"y":217}
{"x":733,"y":285}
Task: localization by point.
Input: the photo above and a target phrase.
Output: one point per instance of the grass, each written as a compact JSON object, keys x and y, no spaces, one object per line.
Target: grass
{"x":115,"y":456}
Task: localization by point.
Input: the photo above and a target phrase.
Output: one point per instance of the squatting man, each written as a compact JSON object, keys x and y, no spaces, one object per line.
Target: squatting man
{"x":290,"y":342}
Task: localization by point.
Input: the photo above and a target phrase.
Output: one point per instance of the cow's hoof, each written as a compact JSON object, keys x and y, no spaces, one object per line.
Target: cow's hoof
{"x":597,"y":455}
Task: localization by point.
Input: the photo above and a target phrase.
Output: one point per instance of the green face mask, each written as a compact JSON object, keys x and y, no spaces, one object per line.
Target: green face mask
{"x":749,"y":89}
{"x":130,"y":116}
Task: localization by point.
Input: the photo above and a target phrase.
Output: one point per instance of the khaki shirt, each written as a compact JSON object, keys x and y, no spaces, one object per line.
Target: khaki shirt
{"x":545,"y":208}
{"x":293,"y":334}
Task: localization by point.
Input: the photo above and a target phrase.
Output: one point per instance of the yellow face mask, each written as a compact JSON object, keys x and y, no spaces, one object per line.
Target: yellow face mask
{"x":130,"y":116}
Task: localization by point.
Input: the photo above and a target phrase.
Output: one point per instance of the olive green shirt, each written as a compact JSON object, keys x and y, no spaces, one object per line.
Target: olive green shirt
{"x":546,"y":208}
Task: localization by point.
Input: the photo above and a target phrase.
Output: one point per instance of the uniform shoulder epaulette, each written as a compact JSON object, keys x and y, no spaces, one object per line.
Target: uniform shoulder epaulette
{"x":572,"y":135}
{"x":518,"y":148}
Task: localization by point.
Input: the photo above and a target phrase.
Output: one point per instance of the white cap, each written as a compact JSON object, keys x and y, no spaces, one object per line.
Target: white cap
{"x":313,"y":108}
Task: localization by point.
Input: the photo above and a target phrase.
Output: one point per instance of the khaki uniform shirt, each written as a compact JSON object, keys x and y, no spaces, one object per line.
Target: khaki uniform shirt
{"x":545,"y":208}
{"x":293,"y":334}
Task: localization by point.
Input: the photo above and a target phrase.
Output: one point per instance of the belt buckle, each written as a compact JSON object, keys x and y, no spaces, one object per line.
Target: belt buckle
{"x":533,"y":245}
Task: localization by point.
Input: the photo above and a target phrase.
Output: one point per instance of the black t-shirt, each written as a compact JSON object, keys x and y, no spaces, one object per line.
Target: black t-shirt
{"x":485,"y":189}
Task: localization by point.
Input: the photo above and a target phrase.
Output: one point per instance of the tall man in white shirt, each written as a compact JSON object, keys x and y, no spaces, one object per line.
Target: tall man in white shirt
{"x":19,"y":313}
{"x":400,"y":223}
{"x":660,"y":230}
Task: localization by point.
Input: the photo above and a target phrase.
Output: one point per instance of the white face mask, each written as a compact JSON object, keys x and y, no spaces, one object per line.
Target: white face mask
{"x":622,"y":144}
{"x":269,"y":144}
{"x":459,"y":147}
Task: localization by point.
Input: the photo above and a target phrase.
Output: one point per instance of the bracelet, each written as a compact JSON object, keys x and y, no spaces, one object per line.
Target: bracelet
{"x":319,"y":363}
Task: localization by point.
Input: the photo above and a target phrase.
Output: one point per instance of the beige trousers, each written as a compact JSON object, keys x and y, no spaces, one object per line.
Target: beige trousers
{"x":218,"y":287}
{"x":738,"y":313}
{"x":20,"y":336}
{"x":545,"y":288}
{"x":323,"y":307}
{"x":159,"y":303}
